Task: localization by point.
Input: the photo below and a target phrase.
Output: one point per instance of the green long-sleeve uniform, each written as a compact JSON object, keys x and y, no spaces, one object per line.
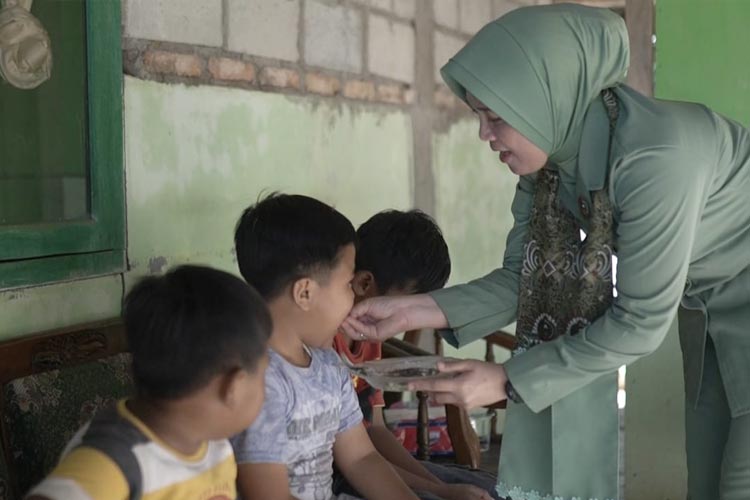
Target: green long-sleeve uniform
{"x":678,"y":177}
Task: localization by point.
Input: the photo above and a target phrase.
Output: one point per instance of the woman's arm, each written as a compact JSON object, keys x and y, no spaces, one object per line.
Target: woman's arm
{"x":465,"y":312}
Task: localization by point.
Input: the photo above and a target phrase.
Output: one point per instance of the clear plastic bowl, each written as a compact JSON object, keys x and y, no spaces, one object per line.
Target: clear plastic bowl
{"x":482,"y":425}
{"x":394,"y":374}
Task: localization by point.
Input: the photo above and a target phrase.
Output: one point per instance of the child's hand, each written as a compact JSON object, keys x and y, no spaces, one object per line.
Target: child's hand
{"x":463,"y":492}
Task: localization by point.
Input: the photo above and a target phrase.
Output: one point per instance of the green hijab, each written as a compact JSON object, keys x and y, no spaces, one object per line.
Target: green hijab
{"x":539,"y":68}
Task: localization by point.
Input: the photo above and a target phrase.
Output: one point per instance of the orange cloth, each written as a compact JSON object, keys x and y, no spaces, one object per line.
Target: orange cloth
{"x":368,"y":396}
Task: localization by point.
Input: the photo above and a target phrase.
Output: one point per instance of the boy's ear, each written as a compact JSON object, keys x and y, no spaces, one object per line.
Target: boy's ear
{"x":229,"y":386}
{"x":303,"y":291}
{"x":364,"y":285}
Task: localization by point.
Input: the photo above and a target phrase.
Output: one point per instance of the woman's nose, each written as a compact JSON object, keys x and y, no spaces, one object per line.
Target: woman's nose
{"x":485,"y":131}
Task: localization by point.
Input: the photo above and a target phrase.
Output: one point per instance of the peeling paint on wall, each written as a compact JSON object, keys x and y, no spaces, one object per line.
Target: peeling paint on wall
{"x":196,"y":156}
{"x":48,"y":307}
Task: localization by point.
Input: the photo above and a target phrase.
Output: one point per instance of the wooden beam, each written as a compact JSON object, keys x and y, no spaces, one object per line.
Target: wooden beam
{"x":608,"y":4}
{"x":639,"y":17}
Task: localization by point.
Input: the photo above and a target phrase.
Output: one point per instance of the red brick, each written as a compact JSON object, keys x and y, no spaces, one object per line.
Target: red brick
{"x":359,"y":89}
{"x":280,"y":77}
{"x":390,"y":93}
{"x":224,"y":68}
{"x":160,"y":61}
{"x":445,"y":99}
{"x":409,"y":95}
{"x":322,"y":84}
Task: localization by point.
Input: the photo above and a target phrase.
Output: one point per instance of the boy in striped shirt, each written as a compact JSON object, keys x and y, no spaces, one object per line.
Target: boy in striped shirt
{"x":198,"y":338}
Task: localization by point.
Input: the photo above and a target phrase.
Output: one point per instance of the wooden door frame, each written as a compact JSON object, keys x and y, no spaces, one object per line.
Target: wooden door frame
{"x":639,"y":17}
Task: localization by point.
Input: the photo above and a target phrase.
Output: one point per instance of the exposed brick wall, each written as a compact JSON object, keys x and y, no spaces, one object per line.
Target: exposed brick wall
{"x":360,"y":50}
{"x":351,"y":49}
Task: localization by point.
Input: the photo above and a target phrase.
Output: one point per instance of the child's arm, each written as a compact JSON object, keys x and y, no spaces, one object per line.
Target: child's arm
{"x":366,"y":469}
{"x":393,"y":451}
{"x":259,"y":450}
{"x":263,"y":481}
{"x":414,"y":474}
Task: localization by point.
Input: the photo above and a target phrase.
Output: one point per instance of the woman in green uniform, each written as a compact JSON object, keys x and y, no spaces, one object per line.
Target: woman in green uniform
{"x":663,"y":185}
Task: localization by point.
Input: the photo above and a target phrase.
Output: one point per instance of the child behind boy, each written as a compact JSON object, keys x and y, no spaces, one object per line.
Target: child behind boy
{"x":402,"y":253}
{"x":299,"y":253}
{"x":198,"y":339}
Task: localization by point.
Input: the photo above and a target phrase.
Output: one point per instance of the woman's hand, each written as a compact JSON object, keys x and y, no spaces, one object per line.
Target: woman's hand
{"x":475,"y":384}
{"x":380,"y":318}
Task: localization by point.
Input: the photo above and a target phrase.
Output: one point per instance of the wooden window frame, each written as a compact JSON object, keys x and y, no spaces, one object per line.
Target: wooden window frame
{"x":49,"y":252}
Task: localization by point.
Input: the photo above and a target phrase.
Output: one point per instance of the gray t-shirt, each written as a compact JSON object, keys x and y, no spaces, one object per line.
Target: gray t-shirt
{"x":304,"y":410}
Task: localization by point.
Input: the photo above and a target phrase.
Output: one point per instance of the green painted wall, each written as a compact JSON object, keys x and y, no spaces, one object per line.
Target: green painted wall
{"x":474,"y":192}
{"x":654,"y":425}
{"x":701,"y":54}
{"x":30,"y":310}
{"x":196,"y":156}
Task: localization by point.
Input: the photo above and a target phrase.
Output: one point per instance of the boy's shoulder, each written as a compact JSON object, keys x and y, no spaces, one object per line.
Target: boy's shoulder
{"x":324,"y":374}
{"x":101,"y":451}
{"x":320,"y":357}
{"x":328,"y":356}
{"x":329,"y":362}
{"x":114,"y":448}
{"x":110,"y":432}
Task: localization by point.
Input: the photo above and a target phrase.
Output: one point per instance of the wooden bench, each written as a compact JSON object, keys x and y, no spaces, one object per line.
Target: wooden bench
{"x":52,"y":383}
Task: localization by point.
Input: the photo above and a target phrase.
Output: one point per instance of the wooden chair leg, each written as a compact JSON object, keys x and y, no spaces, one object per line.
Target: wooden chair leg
{"x":493,"y":427}
{"x":463,"y":438}
{"x":438,"y":343}
{"x":489,"y":353}
{"x":412,"y":337}
{"x":423,"y":427}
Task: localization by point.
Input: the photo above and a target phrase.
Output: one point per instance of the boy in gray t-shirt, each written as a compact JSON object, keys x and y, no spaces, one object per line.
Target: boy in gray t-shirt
{"x":305,"y":409}
{"x":299,"y":254}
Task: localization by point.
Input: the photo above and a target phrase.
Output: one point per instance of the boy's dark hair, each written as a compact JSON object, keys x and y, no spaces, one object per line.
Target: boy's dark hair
{"x":403,"y":249}
{"x":285,"y":237}
{"x":190,"y":325}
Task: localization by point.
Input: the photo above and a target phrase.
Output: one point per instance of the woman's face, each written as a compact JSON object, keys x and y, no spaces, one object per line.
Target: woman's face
{"x":516,"y":151}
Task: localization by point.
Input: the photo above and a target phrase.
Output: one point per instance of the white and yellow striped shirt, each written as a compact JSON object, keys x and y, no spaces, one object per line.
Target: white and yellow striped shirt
{"x":116,"y":457}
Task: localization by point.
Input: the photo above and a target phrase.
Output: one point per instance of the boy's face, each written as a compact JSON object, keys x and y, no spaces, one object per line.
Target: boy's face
{"x":332,"y":302}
